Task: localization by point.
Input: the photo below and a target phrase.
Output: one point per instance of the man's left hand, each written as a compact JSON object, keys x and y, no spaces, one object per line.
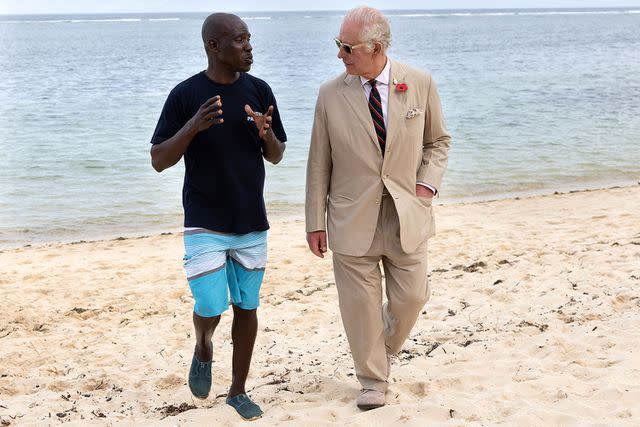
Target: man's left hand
{"x":422,"y":191}
{"x":262,"y":121}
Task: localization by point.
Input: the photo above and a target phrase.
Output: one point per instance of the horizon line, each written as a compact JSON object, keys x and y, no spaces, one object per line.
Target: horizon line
{"x":322,"y":10}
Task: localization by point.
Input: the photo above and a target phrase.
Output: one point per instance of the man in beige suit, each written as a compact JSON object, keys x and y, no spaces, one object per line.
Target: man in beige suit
{"x":378,"y":152}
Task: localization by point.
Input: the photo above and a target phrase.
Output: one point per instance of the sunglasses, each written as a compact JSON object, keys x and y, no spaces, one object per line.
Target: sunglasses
{"x":347,"y":47}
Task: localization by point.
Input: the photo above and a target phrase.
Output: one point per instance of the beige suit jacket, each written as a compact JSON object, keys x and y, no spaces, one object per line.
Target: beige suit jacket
{"x":346,"y":171}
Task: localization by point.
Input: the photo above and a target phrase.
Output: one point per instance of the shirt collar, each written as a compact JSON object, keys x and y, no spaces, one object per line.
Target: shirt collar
{"x":383,"y":77}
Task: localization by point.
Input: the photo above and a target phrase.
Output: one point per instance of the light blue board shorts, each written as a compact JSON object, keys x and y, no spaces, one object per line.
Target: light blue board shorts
{"x":223,"y":269}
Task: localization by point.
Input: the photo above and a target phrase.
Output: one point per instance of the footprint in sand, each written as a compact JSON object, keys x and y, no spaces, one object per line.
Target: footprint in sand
{"x":170,"y":381}
{"x":59,"y":386}
{"x":623,"y":301}
{"x":420,"y":389}
{"x":93,"y":384}
{"x":83,"y":313}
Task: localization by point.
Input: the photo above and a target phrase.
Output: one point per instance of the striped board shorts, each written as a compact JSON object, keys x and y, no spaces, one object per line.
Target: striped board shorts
{"x":223,"y":269}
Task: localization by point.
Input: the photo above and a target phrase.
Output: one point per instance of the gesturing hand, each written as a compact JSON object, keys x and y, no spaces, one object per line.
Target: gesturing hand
{"x":262,"y":121}
{"x":208,"y":114}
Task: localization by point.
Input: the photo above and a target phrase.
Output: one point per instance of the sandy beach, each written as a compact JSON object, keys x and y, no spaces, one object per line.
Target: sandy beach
{"x":534,"y":319}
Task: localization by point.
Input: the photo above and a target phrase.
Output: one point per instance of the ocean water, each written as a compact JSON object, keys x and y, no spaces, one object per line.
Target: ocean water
{"x":536,"y":101}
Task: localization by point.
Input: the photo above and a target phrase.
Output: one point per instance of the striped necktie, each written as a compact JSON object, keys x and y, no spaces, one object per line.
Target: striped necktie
{"x":375,"y":108}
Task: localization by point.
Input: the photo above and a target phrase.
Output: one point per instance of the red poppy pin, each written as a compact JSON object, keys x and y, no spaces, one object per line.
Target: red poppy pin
{"x":400,"y":87}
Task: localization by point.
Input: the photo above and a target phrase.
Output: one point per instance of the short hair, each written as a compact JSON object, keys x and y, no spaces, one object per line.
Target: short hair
{"x":375,"y":26}
{"x":216,"y":25}
{"x":208,"y":28}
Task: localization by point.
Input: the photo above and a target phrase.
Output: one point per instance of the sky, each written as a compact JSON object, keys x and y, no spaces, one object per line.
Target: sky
{"x":131,"y":6}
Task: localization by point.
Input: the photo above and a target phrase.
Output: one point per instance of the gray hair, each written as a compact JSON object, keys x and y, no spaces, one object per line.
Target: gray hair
{"x":375,"y":26}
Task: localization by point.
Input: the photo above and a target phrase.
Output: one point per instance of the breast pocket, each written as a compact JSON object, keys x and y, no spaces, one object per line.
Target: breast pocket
{"x":415,"y":125}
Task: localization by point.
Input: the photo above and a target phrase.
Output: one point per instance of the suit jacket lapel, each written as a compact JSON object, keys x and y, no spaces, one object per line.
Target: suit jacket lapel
{"x":354,"y":95}
{"x":396,"y":107}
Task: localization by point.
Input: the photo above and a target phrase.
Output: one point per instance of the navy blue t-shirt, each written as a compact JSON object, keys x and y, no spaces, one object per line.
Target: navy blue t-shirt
{"x":224,"y":170}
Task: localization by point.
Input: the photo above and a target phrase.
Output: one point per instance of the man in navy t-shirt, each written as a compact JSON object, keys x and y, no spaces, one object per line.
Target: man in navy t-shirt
{"x":223,"y":121}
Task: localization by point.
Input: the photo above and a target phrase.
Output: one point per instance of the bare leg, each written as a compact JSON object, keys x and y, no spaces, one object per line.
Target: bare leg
{"x":243,"y":334}
{"x":204,"y":328}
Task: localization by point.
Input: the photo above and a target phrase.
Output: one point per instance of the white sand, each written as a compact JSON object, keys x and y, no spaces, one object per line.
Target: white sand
{"x":545,"y":331}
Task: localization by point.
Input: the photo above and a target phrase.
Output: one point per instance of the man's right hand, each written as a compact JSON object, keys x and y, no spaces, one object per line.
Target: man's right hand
{"x":207,"y":115}
{"x":317,"y":241}
{"x":168,"y":153}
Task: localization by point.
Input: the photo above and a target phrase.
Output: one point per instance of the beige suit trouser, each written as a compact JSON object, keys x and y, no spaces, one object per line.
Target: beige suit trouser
{"x":374,"y":330}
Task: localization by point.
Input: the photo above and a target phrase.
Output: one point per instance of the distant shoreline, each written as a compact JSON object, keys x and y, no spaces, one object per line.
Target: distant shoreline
{"x":278,"y":217}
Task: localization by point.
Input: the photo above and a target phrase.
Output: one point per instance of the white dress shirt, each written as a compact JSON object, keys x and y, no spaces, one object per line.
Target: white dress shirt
{"x":382,"y":83}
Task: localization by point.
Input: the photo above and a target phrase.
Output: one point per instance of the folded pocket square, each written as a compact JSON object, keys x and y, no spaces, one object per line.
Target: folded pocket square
{"x":413,"y":113}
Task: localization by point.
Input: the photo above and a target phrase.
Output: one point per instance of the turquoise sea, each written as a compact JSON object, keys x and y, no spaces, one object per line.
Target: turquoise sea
{"x":536,"y":101}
